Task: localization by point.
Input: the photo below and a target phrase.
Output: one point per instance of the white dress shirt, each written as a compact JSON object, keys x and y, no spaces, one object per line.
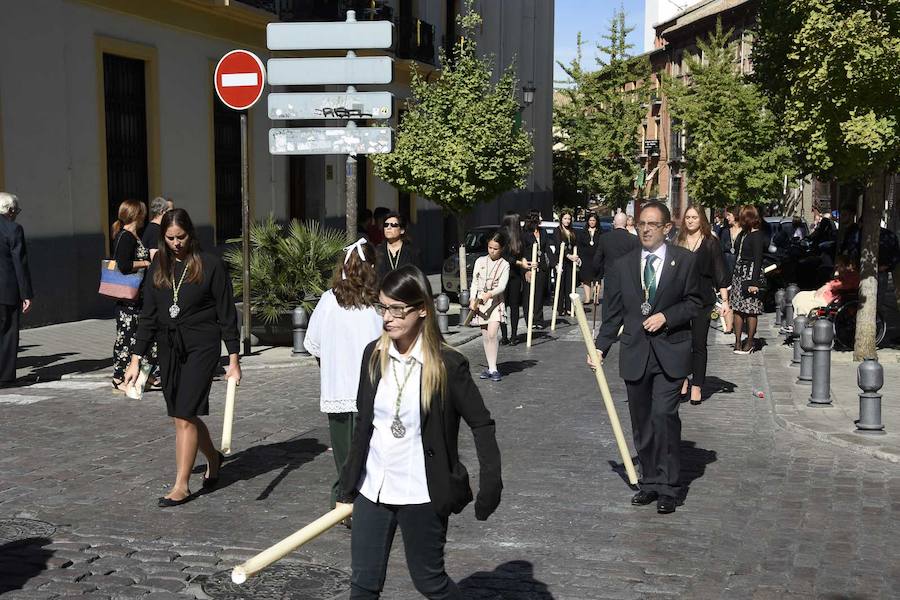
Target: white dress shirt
{"x":658,"y":264}
{"x":337,"y":336}
{"x":395,"y":467}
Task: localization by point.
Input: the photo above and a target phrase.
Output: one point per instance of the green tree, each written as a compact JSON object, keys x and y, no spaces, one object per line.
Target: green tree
{"x":734,"y":155}
{"x":571,"y":139}
{"x":830,"y":69}
{"x":460,"y":142}
{"x":601,"y":119}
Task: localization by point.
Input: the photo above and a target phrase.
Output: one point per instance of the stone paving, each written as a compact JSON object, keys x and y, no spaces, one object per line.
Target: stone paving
{"x":769,"y":513}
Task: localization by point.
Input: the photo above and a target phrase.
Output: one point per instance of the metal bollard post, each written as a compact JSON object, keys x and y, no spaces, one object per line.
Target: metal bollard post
{"x":463,"y":306}
{"x":789,"y":294}
{"x":806,"y":343}
{"x":822,"y":336}
{"x":442,"y":305}
{"x":300,"y":321}
{"x":870,"y":378}
{"x":779,"y":307}
{"x":799,"y":325}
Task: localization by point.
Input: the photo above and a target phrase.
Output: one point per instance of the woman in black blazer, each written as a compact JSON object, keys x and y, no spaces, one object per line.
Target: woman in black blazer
{"x":395,"y":251}
{"x":403,"y":467}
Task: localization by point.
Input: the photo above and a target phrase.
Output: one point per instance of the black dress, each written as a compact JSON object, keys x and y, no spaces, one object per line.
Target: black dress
{"x":408,"y":255}
{"x":540,"y":281}
{"x":126,"y":251}
{"x":565,"y":285}
{"x":587,"y":249}
{"x":713,"y":276}
{"x":190,"y":344}
{"x":150,"y":239}
{"x":747,"y":271}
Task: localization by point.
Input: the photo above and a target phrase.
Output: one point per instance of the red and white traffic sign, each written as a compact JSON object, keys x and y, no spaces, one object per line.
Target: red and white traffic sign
{"x":240,"y":78}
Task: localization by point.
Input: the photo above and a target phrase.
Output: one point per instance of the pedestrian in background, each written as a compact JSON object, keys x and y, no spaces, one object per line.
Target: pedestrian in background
{"x":564,"y":234}
{"x":131,"y":256}
{"x":189,"y":310}
{"x":343,"y":323}
{"x":727,"y":237}
{"x":489,"y":280}
{"x":15,"y":285}
{"x":587,"y":241}
{"x":745,"y":281}
{"x":512,"y":252}
{"x":395,"y":251}
{"x":613,"y":245}
{"x":158,"y":207}
{"x":629,"y":225}
{"x":536,"y":236}
{"x":403,"y":468}
{"x":696,"y":235}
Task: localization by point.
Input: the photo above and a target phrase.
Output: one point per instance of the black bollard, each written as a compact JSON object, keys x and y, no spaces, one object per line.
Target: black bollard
{"x":822,"y":336}
{"x":463,"y":306}
{"x":789,"y":294}
{"x":779,"y":307}
{"x":442,"y":305}
{"x":300,"y":321}
{"x":870,"y":379}
{"x":799,"y":324}
{"x":806,"y":344}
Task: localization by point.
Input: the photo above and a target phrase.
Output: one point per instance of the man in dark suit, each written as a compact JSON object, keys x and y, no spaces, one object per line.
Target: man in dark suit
{"x":612,"y":245}
{"x":652,"y":293}
{"x":15,"y":285}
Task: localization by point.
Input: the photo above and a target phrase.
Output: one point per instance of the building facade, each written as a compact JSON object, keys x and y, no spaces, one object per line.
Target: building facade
{"x":104,"y":100}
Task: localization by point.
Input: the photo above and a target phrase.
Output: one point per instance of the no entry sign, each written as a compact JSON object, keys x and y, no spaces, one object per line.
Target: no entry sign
{"x":240,"y":77}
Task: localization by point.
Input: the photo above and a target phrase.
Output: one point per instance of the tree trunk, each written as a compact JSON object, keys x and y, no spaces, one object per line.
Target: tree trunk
{"x":870,"y":223}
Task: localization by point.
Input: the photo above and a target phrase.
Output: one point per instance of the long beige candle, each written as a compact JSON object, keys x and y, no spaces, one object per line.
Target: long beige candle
{"x":604,"y":391}
{"x":534,"y":254}
{"x":463,"y":272}
{"x":228,"y":420}
{"x":275,"y":553}
{"x":574,"y":279}
{"x":559,"y":272}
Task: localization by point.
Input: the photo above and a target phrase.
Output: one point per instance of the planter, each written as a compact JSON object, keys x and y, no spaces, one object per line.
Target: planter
{"x":279,"y":333}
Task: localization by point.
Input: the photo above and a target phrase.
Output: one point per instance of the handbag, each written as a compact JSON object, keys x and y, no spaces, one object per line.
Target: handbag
{"x":115,"y":284}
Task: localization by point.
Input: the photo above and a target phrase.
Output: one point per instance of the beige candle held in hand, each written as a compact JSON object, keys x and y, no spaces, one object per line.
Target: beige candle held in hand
{"x":559,"y":271}
{"x":534,"y":255}
{"x":228,"y":420}
{"x":574,"y":279}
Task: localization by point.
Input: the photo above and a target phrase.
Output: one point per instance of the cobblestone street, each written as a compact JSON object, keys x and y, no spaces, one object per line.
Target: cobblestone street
{"x":769,"y":513}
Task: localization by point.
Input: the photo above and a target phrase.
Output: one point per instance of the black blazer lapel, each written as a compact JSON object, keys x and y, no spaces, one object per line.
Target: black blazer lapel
{"x":668,"y":272}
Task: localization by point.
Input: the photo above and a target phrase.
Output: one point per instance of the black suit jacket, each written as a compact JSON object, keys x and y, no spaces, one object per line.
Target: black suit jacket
{"x":610,"y":246}
{"x":678,"y":297}
{"x":409,"y":255}
{"x":15,"y":278}
{"x":440,"y":432}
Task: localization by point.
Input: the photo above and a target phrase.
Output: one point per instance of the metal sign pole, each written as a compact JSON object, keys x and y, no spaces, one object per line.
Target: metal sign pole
{"x":245,"y":232}
{"x":351,"y":177}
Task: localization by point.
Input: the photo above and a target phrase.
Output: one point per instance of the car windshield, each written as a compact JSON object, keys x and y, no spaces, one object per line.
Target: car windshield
{"x":476,"y":241}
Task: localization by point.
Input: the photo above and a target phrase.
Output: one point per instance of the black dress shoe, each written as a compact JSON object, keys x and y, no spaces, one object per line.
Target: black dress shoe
{"x":643,"y":498}
{"x":504,"y":341}
{"x":665,"y":505}
{"x":164,"y":502}
{"x":209,"y":483}
{"x":514,"y":341}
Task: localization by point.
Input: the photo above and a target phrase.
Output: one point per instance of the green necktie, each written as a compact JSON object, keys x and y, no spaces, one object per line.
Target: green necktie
{"x":650,"y":277}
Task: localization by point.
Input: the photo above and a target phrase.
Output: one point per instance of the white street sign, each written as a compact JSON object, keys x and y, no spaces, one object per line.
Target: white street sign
{"x":331,"y":105}
{"x":330,"y":140}
{"x":330,"y":36}
{"x":330,"y":71}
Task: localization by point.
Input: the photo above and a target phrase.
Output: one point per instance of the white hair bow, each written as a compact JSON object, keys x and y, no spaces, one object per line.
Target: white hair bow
{"x":358,"y":246}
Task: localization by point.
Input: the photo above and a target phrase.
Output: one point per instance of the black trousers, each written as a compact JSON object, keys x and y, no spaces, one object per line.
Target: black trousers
{"x":513,"y":299}
{"x":565,"y":288}
{"x":540,"y":287}
{"x":424,"y":536}
{"x":653,"y":404}
{"x":699,"y":333}
{"x":9,"y":341}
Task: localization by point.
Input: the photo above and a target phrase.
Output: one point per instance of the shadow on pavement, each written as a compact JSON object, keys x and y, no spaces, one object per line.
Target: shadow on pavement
{"x":619,"y":469}
{"x":249,"y":464}
{"x":511,"y":580}
{"x":44,"y":370}
{"x":21,"y":560}
{"x":693,"y":466}
{"x":515,"y":366}
{"x":715,"y":385}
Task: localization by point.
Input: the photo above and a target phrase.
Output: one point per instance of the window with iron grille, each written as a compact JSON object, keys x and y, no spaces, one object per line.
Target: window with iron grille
{"x":227,"y":142}
{"x":125,"y":106}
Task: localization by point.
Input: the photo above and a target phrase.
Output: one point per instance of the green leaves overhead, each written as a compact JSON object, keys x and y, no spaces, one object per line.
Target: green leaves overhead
{"x":459,"y":142}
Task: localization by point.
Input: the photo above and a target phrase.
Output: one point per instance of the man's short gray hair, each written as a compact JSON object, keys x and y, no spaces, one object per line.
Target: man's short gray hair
{"x":7,"y":202}
{"x":158,"y":206}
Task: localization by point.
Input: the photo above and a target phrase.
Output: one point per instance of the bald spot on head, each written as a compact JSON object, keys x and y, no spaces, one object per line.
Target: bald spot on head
{"x":620,"y":220}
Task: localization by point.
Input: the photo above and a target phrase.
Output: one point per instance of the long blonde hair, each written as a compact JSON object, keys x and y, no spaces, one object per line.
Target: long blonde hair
{"x":409,"y":285}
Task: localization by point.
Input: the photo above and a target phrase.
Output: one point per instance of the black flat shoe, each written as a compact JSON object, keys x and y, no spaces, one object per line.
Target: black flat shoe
{"x":164,"y":502}
{"x":504,"y":342}
{"x":514,"y":341}
{"x":211,"y":482}
{"x":643,"y":498}
{"x":696,"y":402}
{"x":665,"y":505}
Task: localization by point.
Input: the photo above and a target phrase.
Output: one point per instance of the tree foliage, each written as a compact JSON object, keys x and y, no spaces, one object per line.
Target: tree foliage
{"x":734,"y":155}
{"x":829,"y":67}
{"x":598,"y":123}
{"x":460,"y":142}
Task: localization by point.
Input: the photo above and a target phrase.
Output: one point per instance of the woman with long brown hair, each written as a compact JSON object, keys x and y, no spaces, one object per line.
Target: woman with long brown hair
{"x":131,"y":256}
{"x":343,"y":323}
{"x":189,"y":311}
{"x":696,"y":235}
{"x":404,"y":469}
{"x":745,"y":282}
{"x":564,"y":234}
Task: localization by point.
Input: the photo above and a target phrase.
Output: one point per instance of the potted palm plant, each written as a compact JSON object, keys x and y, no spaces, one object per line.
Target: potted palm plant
{"x":289,"y":267}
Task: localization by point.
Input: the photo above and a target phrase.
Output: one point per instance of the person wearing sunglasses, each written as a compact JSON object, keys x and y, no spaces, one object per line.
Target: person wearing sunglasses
{"x":396,"y":250}
{"x":404,"y":469}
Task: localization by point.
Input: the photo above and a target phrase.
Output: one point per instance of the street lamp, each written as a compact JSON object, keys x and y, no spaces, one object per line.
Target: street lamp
{"x":528,"y":93}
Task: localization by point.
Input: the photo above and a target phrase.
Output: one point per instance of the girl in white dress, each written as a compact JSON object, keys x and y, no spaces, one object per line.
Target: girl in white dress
{"x":489,"y":279}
